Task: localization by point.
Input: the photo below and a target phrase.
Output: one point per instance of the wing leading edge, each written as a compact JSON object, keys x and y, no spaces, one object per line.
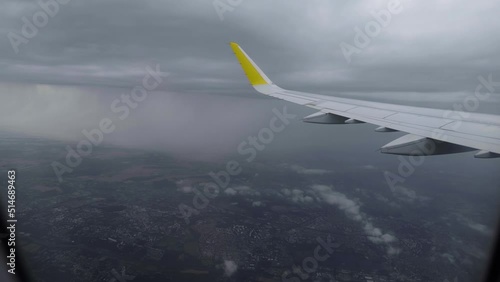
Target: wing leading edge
{"x":430,"y":131}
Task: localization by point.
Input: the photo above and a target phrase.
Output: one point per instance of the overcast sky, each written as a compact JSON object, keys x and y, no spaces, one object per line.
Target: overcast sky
{"x":428,"y":46}
{"x":64,"y":78}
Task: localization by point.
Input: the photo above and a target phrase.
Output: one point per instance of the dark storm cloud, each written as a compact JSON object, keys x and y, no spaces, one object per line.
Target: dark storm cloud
{"x":438,"y":46}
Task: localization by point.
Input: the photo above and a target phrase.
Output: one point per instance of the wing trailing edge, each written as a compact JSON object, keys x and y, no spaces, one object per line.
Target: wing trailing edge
{"x":426,"y":127}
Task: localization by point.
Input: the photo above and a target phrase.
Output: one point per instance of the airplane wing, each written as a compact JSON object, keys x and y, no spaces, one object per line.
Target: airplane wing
{"x":430,"y":131}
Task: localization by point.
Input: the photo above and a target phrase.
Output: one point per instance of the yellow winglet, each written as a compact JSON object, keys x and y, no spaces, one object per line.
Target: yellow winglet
{"x":254,"y":74}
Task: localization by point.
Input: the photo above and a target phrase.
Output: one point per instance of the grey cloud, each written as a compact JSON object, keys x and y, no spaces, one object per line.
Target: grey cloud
{"x":242,"y":191}
{"x":309,"y":171}
{"x":480,"y":228}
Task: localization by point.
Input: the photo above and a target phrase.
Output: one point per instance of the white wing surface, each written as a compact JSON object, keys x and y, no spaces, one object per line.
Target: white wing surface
{"x":430,"y":131}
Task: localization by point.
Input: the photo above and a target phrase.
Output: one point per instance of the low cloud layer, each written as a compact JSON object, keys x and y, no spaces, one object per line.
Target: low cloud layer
{"x":297,"y":195}
{"x":309,"y":171}
{"x":64,"y":78}
{"x":481,"y":228}
{"x":352,"y":209}
{"x":406,"y":194}
{"x":184,"y":124}
{"x":241,"y":190}
{"x":230,"y":267}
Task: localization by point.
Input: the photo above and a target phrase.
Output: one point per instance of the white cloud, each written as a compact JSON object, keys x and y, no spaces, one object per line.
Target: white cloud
{"x":393,"y":251}
{"x":186,"y":189}
{"x":481,"y":228}
{"x":230,"y":267}
{"x":241,"y":190}
{"x":331,"y":197}
{"x":230,"y":191}
{"x":406,"y":194}
{"x":297,"y":195}
{"x":309,"y":171}
{"x":257,"y":204}
{"x":353,"y":211}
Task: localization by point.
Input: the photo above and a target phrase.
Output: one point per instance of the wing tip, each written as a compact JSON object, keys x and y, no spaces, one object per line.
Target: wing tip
{"x":253,"y":72}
